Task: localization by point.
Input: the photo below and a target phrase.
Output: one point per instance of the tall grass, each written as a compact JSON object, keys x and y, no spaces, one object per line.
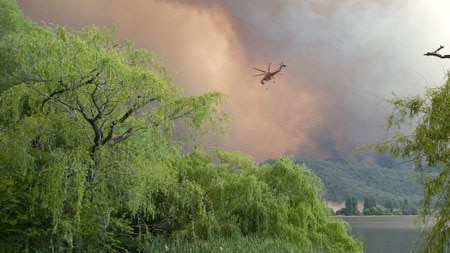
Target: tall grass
{"x":226,"y":245}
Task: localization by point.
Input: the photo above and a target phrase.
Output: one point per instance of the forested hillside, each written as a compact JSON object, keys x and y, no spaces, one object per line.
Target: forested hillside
{"x":343,"y":180}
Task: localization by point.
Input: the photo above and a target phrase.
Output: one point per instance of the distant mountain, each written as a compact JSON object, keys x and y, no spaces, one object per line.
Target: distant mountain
{"x":342,"y":180}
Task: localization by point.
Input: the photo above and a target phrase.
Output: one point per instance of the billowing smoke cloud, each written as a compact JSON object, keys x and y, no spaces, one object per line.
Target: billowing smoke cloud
{"x":343,"y":56}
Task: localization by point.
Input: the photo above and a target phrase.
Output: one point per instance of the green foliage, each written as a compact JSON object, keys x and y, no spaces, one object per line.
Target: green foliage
{"x":427,"y":145}
{"x":279,"y":201}
{"x":370,"y":202}
{"x":371,"y":208}
{"x":86,"y":129}
{"x":90,"y":162}
{"x":361,"y":180}
{"x":351,"y":207}
{"x":389,"y":204}
{"x":227,"y":245}
{"x":13,"y":22}
{"x":377,"y":210}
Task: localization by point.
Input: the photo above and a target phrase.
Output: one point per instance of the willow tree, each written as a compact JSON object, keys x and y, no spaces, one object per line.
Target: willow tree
{"x":84,"y":122}
{"x":428,"y":146}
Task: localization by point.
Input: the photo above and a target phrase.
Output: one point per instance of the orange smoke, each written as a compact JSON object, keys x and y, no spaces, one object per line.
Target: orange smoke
{"x":337,"y":53}
{"x":202,"y":47}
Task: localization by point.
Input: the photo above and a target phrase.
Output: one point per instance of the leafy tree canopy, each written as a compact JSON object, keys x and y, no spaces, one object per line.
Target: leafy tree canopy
{"x":90,"y":161}
{"x":427,"y":145}
{"x":85,"y":123}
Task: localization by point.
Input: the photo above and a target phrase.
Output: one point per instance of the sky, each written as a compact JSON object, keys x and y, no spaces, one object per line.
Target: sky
{"x":344,"y":59}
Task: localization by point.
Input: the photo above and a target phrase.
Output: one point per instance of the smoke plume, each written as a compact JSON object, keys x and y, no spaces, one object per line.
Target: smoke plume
{"x":344,"y":58}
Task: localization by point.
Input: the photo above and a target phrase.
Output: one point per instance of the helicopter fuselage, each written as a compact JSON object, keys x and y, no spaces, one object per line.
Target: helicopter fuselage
{"x":268,"y":75}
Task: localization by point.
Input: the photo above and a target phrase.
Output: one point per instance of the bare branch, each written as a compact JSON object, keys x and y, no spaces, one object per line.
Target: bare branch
{"x":123,"y":136}
{"x":116,"y":139}
{"x":435,"y":53}
{"x":88,"y":79}
{"x":51,"y":95}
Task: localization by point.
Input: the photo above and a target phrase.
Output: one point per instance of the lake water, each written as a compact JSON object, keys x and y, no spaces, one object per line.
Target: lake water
{"x":386,"y":234}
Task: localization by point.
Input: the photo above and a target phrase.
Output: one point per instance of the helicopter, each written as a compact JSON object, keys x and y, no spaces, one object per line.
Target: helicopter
{"x":267,"y":75}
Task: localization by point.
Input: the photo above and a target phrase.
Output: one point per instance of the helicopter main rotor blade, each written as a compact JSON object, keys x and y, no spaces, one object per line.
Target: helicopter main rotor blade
{"x":259,"y":74}
{"x":259,"y":69}
{"x":268,"y":67}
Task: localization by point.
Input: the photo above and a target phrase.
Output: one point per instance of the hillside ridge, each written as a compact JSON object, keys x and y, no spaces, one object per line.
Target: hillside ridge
{"x":343,"y":179}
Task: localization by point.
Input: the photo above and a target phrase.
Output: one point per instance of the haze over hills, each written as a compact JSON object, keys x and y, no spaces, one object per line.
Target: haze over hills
{"x":342,"y":180}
